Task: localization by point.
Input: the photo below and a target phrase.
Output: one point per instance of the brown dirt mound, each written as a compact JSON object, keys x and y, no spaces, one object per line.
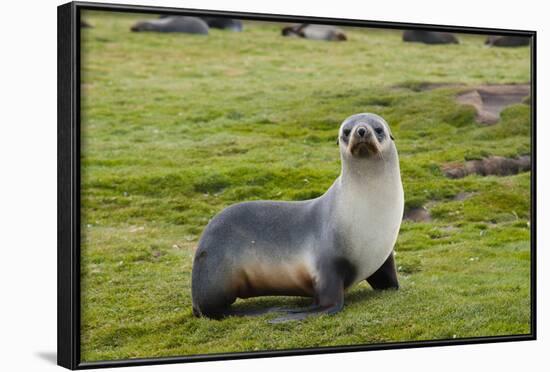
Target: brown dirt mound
{"x":494,"y":165}
{"x":490,"y":100}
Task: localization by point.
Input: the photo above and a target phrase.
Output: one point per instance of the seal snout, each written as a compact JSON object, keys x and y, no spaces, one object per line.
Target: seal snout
{"x":363,"y":131}
{"x":363,"y":142}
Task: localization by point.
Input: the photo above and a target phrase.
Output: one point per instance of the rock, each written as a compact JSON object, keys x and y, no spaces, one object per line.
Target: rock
{"x":490,"y":100}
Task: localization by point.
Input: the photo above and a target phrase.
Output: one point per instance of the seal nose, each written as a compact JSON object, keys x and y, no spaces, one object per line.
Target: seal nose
{"x":361,"y":132}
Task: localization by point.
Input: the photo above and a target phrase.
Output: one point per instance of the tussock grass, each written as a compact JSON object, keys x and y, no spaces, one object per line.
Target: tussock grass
{"x":177,"y":127}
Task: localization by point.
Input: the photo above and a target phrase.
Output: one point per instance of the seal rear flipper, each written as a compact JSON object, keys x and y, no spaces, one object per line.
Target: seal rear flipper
{"x":386,"y":276}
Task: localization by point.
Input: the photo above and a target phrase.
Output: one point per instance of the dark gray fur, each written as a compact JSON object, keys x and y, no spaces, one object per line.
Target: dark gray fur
{"x":224,"y":23}
{"x":267,"y":228}
{"x":507,"y":41}
{"x":189,"y":25}
{"x":429,"y":37}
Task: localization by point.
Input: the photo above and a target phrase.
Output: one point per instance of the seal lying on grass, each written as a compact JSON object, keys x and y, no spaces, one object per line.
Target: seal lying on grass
{"x":218,"y":22}
{"x":429,"y":37}
{"x":224,"y":23}
{"x":315,"y":32}
{"x":315,"y":248}
{"x":189,"y":25}
{"x":507,"y":41}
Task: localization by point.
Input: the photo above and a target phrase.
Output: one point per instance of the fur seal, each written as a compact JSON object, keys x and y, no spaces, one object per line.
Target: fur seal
{"x":507,"y":41}
{"x":314,"y":248}
{"x":224,"y":23}
{"x":219,"y":22}
{"x":315,"y":32}
{"x":429,"y":37}
{"x":190,"y":25}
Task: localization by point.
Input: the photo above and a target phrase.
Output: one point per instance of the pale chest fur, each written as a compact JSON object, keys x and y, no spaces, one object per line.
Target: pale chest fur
{"x":370,"y":216}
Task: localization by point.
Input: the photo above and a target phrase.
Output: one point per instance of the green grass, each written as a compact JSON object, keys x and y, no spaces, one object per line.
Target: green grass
{"x":177,"y":127}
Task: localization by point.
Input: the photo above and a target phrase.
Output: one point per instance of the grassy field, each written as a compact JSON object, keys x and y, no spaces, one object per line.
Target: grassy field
{"x":177,"y":127}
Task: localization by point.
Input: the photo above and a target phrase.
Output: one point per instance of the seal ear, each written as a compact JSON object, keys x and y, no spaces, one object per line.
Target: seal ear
{"x":337,"y":140}
{"x":391,"y":134}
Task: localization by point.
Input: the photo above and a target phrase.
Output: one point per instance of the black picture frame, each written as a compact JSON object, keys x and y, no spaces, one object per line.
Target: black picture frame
{"x":69,"y":170}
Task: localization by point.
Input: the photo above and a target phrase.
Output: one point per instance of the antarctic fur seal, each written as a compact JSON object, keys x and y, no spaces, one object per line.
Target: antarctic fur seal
{"x":190,"y":25}
{"x":315,"y":32}
{"x":429,"y":37}
{"x":224,"y":23}
{"x":218,"y":22}
{"x":507,"y":41}
{"x":315,"y":248}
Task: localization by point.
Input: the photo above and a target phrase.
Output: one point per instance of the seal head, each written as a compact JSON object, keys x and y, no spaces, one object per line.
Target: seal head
{"x":364,"y":135}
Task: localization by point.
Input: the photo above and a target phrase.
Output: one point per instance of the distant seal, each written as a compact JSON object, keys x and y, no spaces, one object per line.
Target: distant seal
{"x":429,"y":37}
{"x":190,"y":25}
{"x":315,"y":32}
{"x":219,"y":22}
{"x":224,"y":23}
{"x":315,"y":248}
{"x":507,"y":41}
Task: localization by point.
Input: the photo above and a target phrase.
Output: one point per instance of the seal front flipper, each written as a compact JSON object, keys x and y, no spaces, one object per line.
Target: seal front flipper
{"x":386,"y":276}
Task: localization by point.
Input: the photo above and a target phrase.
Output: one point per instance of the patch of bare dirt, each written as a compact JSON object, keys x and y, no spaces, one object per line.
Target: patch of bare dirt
{"x":490,"y":100}
{"x":420,"y":214}
{"x":493,"y":165}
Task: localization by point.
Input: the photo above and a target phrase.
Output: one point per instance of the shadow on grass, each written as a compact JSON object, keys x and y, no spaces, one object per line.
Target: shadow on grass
{"x":259,"y":304}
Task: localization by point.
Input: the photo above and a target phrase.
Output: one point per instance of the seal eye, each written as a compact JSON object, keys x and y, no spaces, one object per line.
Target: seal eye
{"x":347,"y":132}
{"x":379,"y":130}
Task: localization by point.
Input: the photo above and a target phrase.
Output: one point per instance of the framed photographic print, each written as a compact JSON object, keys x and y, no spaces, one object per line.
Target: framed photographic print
{"x":238,"y":185}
